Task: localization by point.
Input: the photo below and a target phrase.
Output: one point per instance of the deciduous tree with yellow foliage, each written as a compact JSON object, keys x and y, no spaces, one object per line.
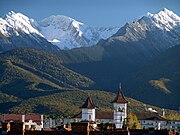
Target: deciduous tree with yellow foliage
{"x":132,"y":121}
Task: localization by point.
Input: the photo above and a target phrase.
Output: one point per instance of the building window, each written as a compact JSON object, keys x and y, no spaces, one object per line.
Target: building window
{"x":121,"y":118}
{"x":89,"y":117}
{"x":121,"y":109}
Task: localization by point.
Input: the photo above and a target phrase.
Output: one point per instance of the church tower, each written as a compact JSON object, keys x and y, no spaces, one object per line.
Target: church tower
{"x":120,"y":109}
{"x":88,"y":110}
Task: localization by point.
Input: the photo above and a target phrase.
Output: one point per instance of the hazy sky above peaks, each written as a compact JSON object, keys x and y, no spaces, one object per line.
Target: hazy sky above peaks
{"x":90,"y":12}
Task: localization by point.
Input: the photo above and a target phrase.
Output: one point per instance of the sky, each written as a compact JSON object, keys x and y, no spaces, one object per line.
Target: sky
{"x":90,"y":12}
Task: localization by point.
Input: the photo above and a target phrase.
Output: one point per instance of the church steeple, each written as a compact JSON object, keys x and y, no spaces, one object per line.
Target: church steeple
{"x":88,"y":104}
{"x":120,"y":108}
{"x":88,"y":110}
{"x":120,"y":96}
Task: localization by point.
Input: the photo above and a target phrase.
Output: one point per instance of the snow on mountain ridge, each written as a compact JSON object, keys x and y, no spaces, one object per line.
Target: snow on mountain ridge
{"x":160,"y":30}
{"x":19,"y":31}
{"x":71,"y":33}
{"x":67,"y":33}
{"x":165,"y":19}
{"x":3,"y":25}
{"x":20,"y":22}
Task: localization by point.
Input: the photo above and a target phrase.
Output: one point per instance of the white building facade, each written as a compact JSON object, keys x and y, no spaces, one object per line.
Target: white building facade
{"x":88,"y":114}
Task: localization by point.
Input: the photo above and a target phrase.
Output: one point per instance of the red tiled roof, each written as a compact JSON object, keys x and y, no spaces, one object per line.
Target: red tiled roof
{"x":88,"y":104}
{"x":33,"y":117}
{"x":18,"y":117}
{"x":11,"y":117}
{"x":104,"y":115}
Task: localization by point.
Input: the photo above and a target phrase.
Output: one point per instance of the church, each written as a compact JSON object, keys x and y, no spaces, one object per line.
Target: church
{"x":119,"y":115}
{"x":90,"y":116}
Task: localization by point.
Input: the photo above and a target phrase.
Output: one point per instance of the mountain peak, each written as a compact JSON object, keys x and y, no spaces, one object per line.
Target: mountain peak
{"x":16,"y":16}
{"x":168,"y":14}
{"x":67,"y":33}
{"x":164,"y":19}
{"x":164,"y":24}
{"x":149,"y":14}
{"x":167,"y":11}
{"x":20,"y":22}
{"x":164,"y":14}
{"x":59,"y":20}
{"x":11,"y":12}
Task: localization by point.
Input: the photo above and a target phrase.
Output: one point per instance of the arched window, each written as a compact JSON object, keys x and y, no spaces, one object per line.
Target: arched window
{"x":121,"y":109}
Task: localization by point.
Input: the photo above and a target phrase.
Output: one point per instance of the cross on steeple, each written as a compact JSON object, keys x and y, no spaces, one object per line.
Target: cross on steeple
{"x":119,"y":85}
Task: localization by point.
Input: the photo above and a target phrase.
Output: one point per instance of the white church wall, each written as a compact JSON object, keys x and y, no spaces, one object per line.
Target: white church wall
{"x":88,"y":114}
{"x":120,"y":114}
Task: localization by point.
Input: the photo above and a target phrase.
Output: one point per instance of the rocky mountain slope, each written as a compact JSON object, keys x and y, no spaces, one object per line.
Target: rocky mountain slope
{"x":153,"y":32}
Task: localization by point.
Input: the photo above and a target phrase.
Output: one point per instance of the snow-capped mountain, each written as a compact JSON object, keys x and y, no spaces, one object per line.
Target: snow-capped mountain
{"x":165,"y":19}
{"x":160,"y":31}
{"x":68,"y":33}
{"x":20,"y":23}
{"x":61,"y":31}
{"x":17,"y":30}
